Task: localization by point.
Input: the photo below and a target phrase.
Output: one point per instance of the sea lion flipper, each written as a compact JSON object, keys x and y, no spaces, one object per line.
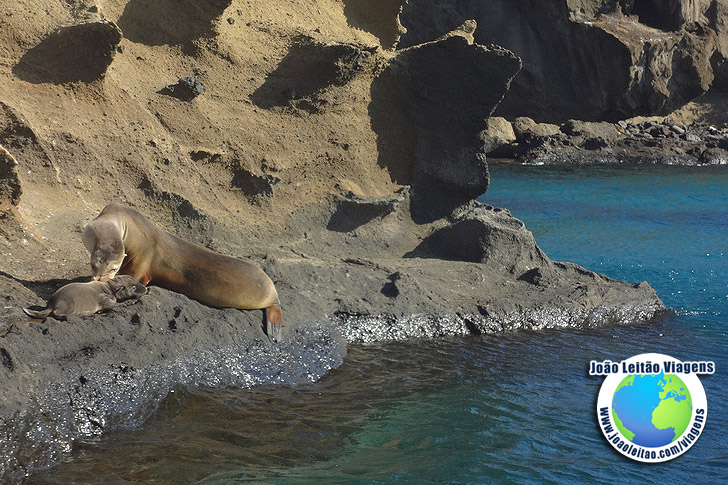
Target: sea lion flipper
{"x":107,"y":302}
{"x":38,"y":313}
{"x":273,"y":319}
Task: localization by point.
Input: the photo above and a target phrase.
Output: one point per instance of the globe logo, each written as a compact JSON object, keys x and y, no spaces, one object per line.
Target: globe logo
{"x":652,"y":407}
{"x":652,"y":410}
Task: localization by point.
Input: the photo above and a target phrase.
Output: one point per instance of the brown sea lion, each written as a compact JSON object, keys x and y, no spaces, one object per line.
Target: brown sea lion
{"x":89,"y":298}
{"x":122,"y":240}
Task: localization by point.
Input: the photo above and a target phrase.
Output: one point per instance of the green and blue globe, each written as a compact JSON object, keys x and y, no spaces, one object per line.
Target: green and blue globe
{"x":652,"y":410}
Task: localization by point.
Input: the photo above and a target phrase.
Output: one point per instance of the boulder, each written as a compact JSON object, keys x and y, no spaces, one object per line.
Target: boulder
{"x":525,"y":129}
{"x":591,"y":135}
{"x":498,"y":136}
{"x":480,"y":233}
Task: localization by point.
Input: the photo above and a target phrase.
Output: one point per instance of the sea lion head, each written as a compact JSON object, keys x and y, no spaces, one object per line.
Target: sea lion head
{"x":106,"y":260}
{"x":104,"y":241}
{"x":125,"y":287}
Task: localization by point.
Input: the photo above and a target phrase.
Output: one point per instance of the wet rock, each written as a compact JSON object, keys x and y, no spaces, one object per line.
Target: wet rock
{"x":69,"y":54}
{"x":713,"y":156}
{"x":83,"y":385}
{"x":428,"y":121}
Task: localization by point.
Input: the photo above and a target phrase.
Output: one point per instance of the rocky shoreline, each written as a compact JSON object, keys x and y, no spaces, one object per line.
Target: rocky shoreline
{"x":649,"y":142}
{"x":477,"y":273}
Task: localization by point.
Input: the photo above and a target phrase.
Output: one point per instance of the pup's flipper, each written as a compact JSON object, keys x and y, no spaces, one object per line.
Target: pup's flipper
{"x":38,"y":313}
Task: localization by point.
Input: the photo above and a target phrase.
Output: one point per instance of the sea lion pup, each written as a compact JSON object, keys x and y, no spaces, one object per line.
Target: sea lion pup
{"x":122,"y":240}
{"x":89,"y":298}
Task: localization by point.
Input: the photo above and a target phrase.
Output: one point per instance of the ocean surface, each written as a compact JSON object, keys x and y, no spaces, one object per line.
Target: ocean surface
{"x":510,"y":408}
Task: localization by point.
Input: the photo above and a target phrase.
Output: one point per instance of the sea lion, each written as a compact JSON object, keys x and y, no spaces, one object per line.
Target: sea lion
{"x":89,"y":298}
{"x":122,"y":240}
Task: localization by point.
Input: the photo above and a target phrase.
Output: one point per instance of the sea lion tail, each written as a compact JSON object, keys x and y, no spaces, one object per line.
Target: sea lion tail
{"x":273,"y":319}
{"x":37,"y":313}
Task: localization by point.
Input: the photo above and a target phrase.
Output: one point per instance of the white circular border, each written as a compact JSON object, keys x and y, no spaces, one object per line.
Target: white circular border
{"x":697,"y":395}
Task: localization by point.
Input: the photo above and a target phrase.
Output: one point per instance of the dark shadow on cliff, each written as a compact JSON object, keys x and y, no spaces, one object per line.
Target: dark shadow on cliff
{"x":353,"y":211}
{"x":170,"y":22}
{"x":378,"y":17}
{"x":307,"y":70}
{"x":70,"y":54}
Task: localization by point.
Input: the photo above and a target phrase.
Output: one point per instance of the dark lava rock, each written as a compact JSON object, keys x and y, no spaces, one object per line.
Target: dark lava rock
{"x":478,"y":272}
{"x":480,"y":233}
{"x":649,"y":142}
{"x":714,"y":156}
{"x":186,"y":89}
{"x":428,"y":122}
{"x":74,"y":379}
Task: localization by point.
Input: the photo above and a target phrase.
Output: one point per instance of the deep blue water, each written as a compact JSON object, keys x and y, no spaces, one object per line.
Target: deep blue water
{"x":517,"y":407}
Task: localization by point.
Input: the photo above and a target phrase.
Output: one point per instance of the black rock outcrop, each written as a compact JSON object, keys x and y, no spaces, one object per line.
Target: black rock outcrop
{"x":429,"y":135}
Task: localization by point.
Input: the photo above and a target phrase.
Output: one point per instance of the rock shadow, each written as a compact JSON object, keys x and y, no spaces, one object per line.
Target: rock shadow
{"x":44,"y":289}
{"x":378,"y":17}
{"x":170,"y":22}
{"x":10,"y":189}
{"x":353,"y":211}
{"x":307,"y":70}
{"x":254,"y":187}
{"x":71,"y":54}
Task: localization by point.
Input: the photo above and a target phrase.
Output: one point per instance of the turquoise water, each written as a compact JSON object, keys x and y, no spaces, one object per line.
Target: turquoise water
{"x":512,"y":408}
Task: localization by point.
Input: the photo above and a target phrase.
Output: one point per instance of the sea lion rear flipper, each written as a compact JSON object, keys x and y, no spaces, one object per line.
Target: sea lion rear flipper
{"x":38,"y":313}
{"x":273,"y":319}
